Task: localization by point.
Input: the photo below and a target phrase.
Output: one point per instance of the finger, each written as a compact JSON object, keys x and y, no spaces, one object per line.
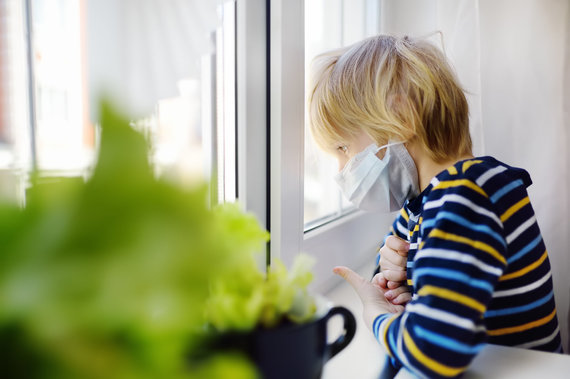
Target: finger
{"x":395,"y":284}
{"x":391,"y":258}
{"x":379,"y":280}
{"x":394,"y":276}
{"x":398,"y":244}
{"x":350,"y":276}
{"x":394,"y":293}
{"x":402,"y":299}
{"x":392,"y":284}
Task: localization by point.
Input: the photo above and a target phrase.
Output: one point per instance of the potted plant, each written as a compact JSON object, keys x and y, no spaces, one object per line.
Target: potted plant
{"x":129,"y":276}
{"x":274,"y":321}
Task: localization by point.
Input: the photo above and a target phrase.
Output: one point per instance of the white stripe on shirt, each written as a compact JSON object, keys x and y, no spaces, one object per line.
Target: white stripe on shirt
{"x":400,"y":341}
{"x":520,"y":229}
{"x":461,"y":200}
{"x":434,"y":181}
{"x":443,"y":316}
{"x":383,"y":332}
{"x":402,"y":229}
{"x":523,"y":289}
{"x":405,"y":361}
{"x":457,"y":256}
{"x":541,"y":341}
{"x":489,"y":174}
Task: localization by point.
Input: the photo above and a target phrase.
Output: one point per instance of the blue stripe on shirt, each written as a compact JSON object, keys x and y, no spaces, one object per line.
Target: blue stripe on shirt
{"x":531,"y":245}
{"x":377,"y":322}
{"x":446,"y":342}
{"x":453,"y":275}
{"x":520,"y":309}
{"x":506,"y":189}
{"x":466,"y":223}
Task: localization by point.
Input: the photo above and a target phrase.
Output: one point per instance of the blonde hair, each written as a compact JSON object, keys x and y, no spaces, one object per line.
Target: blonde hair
{"x":393,"y":89}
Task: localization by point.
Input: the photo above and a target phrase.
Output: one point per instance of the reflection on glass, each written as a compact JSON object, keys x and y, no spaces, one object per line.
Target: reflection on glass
{"x":183,"y":130}
{"x":330,"y":24}
{"x":14,"y":106}
{"x":64,"y":136}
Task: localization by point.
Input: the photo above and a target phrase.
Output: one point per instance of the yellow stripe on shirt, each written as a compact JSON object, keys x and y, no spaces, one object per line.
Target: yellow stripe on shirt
{"x":452,"y":170}
{"x":523,"y":327}
{"x":416,"y":228}
{"x":468,"y":164}
{"x":512,"y":210}
{"x":476,"y":244}
{"x":453,"y":296}
{"x":430,"y":363}
{"x":385,"y":334}
{"x":404,"y":214}
{"x":460,"y":182}
{"x":524,"y":270}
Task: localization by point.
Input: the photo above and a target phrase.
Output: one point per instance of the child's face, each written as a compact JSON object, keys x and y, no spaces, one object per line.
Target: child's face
{"x":345,"y":150}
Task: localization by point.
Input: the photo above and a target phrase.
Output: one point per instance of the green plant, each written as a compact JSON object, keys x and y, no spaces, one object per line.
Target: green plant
{"x":116,"y":277}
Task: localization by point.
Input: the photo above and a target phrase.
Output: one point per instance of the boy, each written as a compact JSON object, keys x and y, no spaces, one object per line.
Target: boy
{"x":476,"y":262}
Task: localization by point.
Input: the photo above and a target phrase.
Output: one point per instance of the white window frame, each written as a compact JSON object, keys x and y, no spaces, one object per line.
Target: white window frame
{"x":351,"y":240}
{"x":252,"y":125}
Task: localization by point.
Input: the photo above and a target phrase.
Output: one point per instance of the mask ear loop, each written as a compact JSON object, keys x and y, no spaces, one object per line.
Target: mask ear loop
{"x":387,"y":146}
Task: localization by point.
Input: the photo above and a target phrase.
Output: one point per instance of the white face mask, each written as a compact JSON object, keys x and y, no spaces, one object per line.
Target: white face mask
{"x":381,"y":185}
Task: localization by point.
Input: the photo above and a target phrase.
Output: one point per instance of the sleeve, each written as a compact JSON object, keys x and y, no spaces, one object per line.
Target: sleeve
{"x":399,"y":228}
{"x":460,"y":258}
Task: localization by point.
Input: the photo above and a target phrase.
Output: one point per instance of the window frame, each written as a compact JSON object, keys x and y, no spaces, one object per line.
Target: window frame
{"x":350,"y":240}
{"x":252,"y":111}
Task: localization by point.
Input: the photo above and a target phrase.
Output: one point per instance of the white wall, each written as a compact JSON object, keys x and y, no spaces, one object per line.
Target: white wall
{"x":513,"y":57}
{"x":525,"y":81}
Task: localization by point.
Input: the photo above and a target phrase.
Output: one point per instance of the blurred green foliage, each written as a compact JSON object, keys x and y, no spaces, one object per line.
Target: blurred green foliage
{"x":114,"y":277}
{"x":250,"y":299}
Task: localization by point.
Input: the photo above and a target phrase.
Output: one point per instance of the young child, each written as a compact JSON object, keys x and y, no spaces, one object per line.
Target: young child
{"x":476,"y":262}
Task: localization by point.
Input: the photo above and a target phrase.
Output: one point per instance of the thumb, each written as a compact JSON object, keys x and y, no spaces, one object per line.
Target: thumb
{"x":350,"y":276}
{"x":399,"y":245}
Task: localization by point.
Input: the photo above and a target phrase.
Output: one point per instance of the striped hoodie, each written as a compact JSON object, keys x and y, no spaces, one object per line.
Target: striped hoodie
{"x":478,"y":269}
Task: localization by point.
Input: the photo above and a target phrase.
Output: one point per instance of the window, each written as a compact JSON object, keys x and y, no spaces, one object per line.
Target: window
{"x":236,"y":116}
{"x":55,"y":56}
{"x":63,"y":135}
{"x":303,"y":218}
{"x":14,"y":105}
{"x":330,"y":25}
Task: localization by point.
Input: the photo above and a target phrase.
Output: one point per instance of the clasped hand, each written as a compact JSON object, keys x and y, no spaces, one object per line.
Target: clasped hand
{"x":393,"y":261}
{"x":387,"y":291}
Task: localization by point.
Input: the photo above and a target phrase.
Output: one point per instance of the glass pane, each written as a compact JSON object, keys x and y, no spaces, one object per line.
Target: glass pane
{"x":226,"y":103}
{"x":330,"y":24}
{"x":44,"y":104}
{"x":64,"y":137}
{"x":193,"y":134}
{"x":14,"y":106}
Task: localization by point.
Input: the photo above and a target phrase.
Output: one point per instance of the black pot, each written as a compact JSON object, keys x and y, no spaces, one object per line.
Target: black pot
{"x":299,"y":350}
{"x":287,"y":351}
